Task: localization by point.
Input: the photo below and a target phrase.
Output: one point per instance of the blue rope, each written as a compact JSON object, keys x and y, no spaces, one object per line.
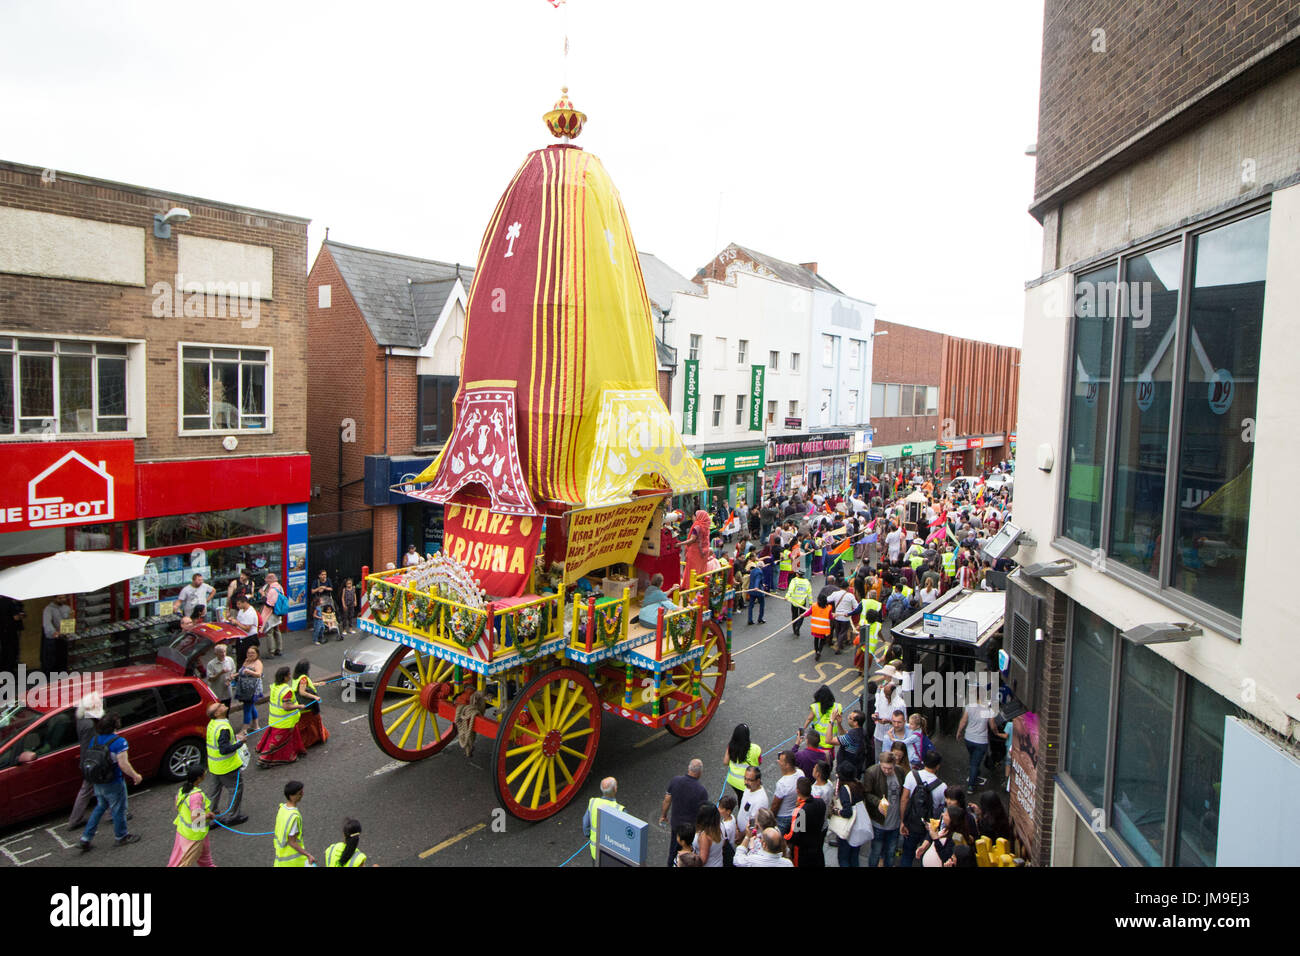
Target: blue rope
{"x":585,"y":846}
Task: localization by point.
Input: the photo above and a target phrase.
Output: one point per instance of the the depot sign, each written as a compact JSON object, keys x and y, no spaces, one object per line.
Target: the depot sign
{"x":729,"y":461}
{"x":50,"y":484}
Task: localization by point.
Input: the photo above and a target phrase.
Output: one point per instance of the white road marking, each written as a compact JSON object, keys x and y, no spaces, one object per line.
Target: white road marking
{"x":388,"y":768}
{"x":350,"y":719}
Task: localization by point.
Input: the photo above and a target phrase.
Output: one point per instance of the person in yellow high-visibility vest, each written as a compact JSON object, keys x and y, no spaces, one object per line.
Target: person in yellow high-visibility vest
{"x":949,"y":567}
{"x":591,"y":819}
{"x":225,"y":760}
{"x":193,"y":815}
{"x":282,"y":742}
{"x":289,"y":847}
{"x":798,"y":596}
{"x":346,"y":853}
{"x":741,"y":753}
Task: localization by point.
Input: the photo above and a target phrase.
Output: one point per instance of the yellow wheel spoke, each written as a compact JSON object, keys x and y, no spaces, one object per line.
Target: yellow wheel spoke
{"x":410,"y":725}
{"x":586,"y":709}
{"x":537,"y":789}
{"x":411,"y":697}
{"x":550,"y":779}
{"x":419,"y":737}
{"x":546,"y":704}
{"x":420,"y":661}
{"x":529,"y":730}
{"x":401,"y":717}
{"x":562,"y":713}
{"x":402,"y":668}
{"x":537,"y":720}
{"x":516,"y":751}
{"x":537,"y":760}
{"x":564,"y":769}
{"x":579,"y":733}
{"x":530,"y":759}
{"x":576,"y":753}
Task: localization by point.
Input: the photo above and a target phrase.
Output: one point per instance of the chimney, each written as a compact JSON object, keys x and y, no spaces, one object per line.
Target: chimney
{"x":810,"y":266}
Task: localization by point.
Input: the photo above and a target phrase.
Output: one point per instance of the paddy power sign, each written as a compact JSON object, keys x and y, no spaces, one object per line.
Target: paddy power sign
{"x":691,"y":397}
{"x":756,"y":397}
{"x":497,"y":548}
{"x":602,"y":536}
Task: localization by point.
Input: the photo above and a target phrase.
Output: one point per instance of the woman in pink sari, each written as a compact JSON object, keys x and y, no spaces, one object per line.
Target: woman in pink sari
{"x":697,"y":548}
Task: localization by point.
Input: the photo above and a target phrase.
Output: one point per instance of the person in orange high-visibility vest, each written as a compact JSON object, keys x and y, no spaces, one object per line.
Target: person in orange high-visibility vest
{"x":819,"y":622}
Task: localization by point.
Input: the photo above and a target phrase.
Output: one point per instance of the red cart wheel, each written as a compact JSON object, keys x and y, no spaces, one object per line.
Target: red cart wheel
{"x":403,"y":706}
{"x":713,"y":680}
{"x":546,"y":744}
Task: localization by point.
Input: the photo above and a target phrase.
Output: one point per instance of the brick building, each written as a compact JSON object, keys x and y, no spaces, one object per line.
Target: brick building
{"x":152,"y":363}
{"x":906,"y":368}
{"x":1157,"y":404}
{"x":977,"y":404}
{"x":385,"y":338}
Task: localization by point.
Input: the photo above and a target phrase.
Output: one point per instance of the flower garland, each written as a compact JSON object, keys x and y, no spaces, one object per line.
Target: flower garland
{"x":465,"y":626}
{"x":679,"y":627}
{"x":717,"y":593}
{"x":421,"y":611}
{"x":383,"y":604}
{"x":607,"y":624}
{"x":529,"y":630}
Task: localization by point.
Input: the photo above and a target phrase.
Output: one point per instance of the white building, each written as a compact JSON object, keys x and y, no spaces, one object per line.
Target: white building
{"x":1157,"y":402}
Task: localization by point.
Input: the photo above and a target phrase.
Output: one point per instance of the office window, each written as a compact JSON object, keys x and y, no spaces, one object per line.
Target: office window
{"x":719,"y":352}
{"x":742,"y":351}
{"x":855,"y":354}
{"x":771,"y":412}
{"x":877,"y":401}
{"x":1212,"y":507}
{"x":695,"y":347}
{"x":435,"y":397}
{"x":794,"y":361}
{"x":932,"y":399}
{"x":740,"y":409}
{"x":852,"y":411}
{"x":224,"y":388}
{"x":905,"y":399}
{"x":1145,"y":382}
{"x":1201,"y":768}
{"x":1094,"y":327}
{"x":828,"y":350}
{"x":1087,"y":733}
{"x":891,"y":401}
{"x":774,"y":361}
{"x":794,"y":408}
{"x":918,"y":400}
{"x":50,"y":386}
{"x":717,"y":411}
{"x":1143,"y":746}
{"x":826,"y":407}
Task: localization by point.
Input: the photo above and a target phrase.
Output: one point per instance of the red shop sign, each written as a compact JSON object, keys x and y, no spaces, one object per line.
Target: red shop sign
{"x":49,"y":484}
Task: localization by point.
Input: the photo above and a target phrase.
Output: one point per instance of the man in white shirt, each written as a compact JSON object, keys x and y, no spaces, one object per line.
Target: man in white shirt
{"x":843,"y":603}
{"x":889,"y":698}
{"x":930,"y":775}
{"x":783,"y":795}
{"x":412,"y":557}
{"x":246,"y":617}
{"x":54,"y":643}
{"x":752,"y":852}
{"x":193,"y":594}
{"x":894,"y":540}
{"x":752,"y":799}
{"x":220,"y":671}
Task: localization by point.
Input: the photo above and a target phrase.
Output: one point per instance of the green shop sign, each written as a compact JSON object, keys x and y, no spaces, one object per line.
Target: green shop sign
{"x":907,"y":451}
{"x":728,"y":461}
{"x":691,"y":397}
{"x":756,"y":397}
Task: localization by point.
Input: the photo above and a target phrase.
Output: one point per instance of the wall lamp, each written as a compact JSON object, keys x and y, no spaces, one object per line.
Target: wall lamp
{"x":1168,"y":632}
{"x":1048,"y":569}
{"x":162,"y":224}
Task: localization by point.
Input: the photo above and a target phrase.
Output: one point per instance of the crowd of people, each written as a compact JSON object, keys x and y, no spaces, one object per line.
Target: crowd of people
{"x":869,"y":776}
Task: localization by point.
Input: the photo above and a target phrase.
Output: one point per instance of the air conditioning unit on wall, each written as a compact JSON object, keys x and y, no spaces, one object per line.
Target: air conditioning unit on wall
{"x":1021,"y":640}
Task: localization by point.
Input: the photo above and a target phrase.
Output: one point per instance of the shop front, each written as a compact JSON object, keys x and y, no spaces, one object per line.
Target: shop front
{"x":813,"y":461}
{"x":213,"y":517}
{"x":919,"y":454}
{"x":733,"y":474}
{"x":972,"y":453}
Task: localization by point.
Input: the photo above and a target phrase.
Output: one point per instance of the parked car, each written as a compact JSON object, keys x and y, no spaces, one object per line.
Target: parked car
{"x":999,"y":480}
{"x":164,"y":719}
{"x":363,"y":661}
{"x":963,"y":484}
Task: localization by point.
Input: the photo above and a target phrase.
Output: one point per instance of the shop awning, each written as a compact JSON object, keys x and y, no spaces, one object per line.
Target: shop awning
{"x":918,"y":450}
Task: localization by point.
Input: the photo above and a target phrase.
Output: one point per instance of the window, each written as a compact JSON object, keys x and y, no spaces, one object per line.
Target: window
{"x":1202,"y":343}
{"x":856,"y":347}
{"x":771,"y":412}
{"x":1094,"y":328}
{"x":877,"y":401}
{"x":1145,"y":383}
{"x":435,"y":398}
{"x":742,"y":351}
{"x":918,"y":400}
{"x":1088,"y":728}
{"x":695,"y":348}
{"x":134,"y":707}
{"x":891,"y":401}
{"x":828,"y":350}
{"x":905,"y":399}
{"x":224,"y":389}
{"x":794,"y":409}
{"x":1221,"y":374}
{"x":717,"y":411}
{"x":827,"y":409}
{"x":852,"y":411}
{"x":932,"y":399}
{"x":1143,"y":748}
{"x":173,"y":531}
{"x":774,"y":361}
{"x":794,"y":361}
{"x":50,"y":386}
{"x":1197,"y":842}
{"x":178,"y":697}
{"x":740,"y":409}
{"x":719,"y":352}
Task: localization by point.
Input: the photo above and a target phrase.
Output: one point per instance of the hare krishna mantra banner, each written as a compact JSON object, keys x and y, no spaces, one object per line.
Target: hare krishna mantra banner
{"x":498,"y":549}
{"x":602,"y":536}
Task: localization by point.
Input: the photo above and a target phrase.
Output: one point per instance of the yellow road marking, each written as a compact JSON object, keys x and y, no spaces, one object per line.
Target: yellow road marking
{"x":759,"y":681}
{"x":642,"y":743}
{"x":803,"y":658}
{"x":451,"y":840}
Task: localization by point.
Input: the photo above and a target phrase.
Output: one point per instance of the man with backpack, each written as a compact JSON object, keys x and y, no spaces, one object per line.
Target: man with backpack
{"x":922,"y":801}
{"x":277,"y":608}
{"x":103,"y":765}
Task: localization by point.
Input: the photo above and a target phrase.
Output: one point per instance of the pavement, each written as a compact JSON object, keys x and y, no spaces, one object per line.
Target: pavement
{"x":442,"y":810}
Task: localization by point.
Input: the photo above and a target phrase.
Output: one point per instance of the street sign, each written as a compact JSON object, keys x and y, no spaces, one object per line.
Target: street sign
{"x":620,"y":838}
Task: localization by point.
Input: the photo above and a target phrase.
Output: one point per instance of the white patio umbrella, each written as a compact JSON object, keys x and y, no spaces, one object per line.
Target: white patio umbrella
{"x":70,"y":572}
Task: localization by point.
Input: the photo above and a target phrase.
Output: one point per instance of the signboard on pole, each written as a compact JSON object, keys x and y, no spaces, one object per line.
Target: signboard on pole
{"x":691,"y":397}
{"x":756,"y":397}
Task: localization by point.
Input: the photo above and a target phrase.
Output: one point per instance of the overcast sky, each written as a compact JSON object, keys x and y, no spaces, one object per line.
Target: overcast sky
{"x":884,"y":141}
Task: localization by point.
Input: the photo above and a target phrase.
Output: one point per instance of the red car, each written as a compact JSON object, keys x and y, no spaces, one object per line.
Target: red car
{"x":164,"y":719}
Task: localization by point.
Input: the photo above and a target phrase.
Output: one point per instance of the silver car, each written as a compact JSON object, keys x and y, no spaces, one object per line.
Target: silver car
{"x":363,"y":661}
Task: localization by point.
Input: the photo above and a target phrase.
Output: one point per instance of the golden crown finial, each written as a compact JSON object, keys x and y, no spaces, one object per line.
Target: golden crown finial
{"x":563,"y":120}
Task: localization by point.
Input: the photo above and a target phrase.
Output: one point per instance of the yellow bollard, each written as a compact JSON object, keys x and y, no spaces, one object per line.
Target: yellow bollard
{"x":983,"y":846}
